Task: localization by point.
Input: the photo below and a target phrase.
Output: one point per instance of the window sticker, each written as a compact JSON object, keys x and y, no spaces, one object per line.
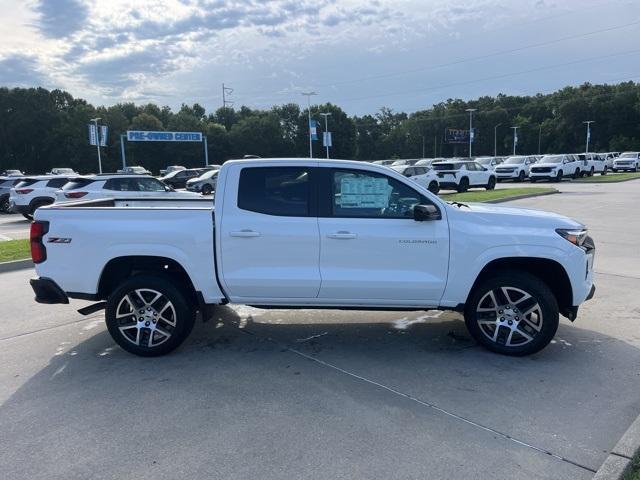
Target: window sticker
{"x":366,"y":192}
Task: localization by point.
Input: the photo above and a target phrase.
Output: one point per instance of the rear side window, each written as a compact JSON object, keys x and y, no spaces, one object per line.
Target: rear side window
{"x":77,"y":183}
{"x":57,"y":182}
{"x":282,"y":191}
{"x":26,"y":182}
{"x":118,"y":184}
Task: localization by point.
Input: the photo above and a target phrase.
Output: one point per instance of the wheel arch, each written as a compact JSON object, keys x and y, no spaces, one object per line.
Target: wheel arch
{"x":120,"y":268}
{"x":549,"y":271}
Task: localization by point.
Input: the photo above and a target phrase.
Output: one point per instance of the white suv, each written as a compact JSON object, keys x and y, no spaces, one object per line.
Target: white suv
{"x":556,"y":167}
{"x":35,"y":192}
{"x":121,"y":186}
{"x":627,"y":161}
{"x":422,"y":175}
{"x":515,"y":168}
{"x":461,"y":175}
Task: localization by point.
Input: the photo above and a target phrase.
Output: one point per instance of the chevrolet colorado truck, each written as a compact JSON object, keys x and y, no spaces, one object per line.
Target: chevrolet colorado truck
{"x":326,"y":234}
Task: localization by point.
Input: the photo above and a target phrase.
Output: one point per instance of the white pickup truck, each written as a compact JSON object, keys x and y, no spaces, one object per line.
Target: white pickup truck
{"x":313,"y":234}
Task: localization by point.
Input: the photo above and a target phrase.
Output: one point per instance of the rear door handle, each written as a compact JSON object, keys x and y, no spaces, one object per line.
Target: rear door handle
{"x":244,"y":233}
{"x":341,"y":235}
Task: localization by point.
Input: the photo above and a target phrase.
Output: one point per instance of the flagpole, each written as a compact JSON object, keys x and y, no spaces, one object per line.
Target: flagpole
{"x":308,"y":95}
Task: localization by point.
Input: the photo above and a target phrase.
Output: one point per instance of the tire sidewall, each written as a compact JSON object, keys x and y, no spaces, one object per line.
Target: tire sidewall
{"x":530,"y":284}
{"x":206,"y":189}
{"x":185,"y":316}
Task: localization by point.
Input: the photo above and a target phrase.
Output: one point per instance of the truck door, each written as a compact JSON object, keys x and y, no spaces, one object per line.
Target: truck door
{"x":269,"y":234}
{"x":371,"y":248}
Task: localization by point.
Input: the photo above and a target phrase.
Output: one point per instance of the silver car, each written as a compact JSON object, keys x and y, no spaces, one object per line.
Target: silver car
{"x":205,"y":183}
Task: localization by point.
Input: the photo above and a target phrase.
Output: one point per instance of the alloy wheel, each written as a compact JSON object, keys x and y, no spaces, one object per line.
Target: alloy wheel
{"x":145,"y":317}
{"x":509,"y":316}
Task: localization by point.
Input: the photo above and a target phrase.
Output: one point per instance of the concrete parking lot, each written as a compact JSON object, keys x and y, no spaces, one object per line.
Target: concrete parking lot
{"x":328,"y":394}
{"x":13,"y":227}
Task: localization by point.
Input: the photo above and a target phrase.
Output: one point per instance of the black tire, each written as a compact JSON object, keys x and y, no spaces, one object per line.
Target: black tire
{"x":533,"y":179}
{"x":592,"y":171}
{"x":149,"y":327}
{"x":206,"y":189}
{"x":559,"y":176}
{"x":463,"y":186}
{"x":541,"y":324}
{"x":614,"y":170}
{"x":492,"y":183}
{"x":4,"y":204}
{"x":576,"y":174}
{"x":604,"y":171}
{"x":521,"y":176}
{"x":434,"y":187}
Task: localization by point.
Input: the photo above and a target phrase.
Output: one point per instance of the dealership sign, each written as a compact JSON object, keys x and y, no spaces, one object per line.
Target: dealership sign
{"x":456,"y":135}
{"x":150,"y":136}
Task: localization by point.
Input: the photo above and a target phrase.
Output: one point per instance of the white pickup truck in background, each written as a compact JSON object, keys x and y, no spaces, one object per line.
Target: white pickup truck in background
{"x":313,"y":234}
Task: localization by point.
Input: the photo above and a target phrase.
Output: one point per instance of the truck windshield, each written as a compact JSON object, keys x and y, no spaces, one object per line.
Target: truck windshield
{"x":629,"y":155}
{"x":514,"y":160}
{"x":552,"y":159}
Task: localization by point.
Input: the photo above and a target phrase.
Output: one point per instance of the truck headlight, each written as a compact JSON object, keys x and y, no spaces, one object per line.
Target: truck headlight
{"x":577,"y":236}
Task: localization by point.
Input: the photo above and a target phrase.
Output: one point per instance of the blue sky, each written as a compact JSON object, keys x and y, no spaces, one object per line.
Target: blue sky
{"x":361,"y":55}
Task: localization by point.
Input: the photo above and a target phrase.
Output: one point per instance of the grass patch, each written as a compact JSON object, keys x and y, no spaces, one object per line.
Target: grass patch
{"x":14,"y":250}
{"x":634,"y":474}
{"x":610,"y":177}
{"x":501,"y":194}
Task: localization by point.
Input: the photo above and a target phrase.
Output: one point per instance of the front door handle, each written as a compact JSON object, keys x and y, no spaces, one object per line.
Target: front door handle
{"x":244,"y":233}
{"x":342,"y":235}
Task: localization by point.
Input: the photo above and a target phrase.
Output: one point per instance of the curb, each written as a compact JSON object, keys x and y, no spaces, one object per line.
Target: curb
{"x":619,"y":461}
{"x":520,"y":197}
{"x":607,"y":181}
{"x":15,"y":265}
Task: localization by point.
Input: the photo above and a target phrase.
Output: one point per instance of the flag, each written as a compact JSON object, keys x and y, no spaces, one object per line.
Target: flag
{"x":93,"y":134}
{"x":104,"y":130}
{"x":326,"y":139}
{"x":313,"y":129}
{"x":472,"y":135}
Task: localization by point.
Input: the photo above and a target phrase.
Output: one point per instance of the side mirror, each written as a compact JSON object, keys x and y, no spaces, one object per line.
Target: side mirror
{"x":422,"y":213}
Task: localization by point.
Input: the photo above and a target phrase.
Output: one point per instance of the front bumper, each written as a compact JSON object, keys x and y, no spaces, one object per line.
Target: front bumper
{"x":47,"y":291}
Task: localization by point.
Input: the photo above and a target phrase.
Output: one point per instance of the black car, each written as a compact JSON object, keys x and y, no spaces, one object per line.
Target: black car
{"x":178,"y":178}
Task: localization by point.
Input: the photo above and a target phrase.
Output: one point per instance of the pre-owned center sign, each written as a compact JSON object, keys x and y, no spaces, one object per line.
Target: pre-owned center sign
{"x":151,"y":136}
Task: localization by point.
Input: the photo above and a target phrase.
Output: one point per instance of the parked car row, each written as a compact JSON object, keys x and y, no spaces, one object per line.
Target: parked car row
{"x":463,"y":173}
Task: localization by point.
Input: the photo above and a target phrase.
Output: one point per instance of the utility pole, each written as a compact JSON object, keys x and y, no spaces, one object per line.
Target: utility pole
{"x":95,"y":122}
{"x":226,"y":91}
{"x":515,"y":138}
{"x":495,"y":140}
{"x":588,"y":123}
{"x":326,"y":131}
{"x":423,"y":145}
{"x":539,"y":137}
{"x":309,"y":95}
{"x":470,"y":110}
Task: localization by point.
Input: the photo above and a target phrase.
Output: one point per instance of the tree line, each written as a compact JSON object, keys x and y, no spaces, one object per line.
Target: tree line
{"x":42,"y":129}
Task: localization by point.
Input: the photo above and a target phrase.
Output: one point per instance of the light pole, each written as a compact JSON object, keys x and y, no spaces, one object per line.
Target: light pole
{"x":495,"y":140}
{"x":588,"y":123}
{"x":309,"y":95}
{"x":95,"y":122}
{"x":539,"y":137}
{"x":470,"y":110}
{"x":326,"y":131}
{"x":515,"y":138}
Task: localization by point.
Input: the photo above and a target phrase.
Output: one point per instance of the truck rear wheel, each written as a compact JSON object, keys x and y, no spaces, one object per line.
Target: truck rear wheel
{"x":513,"y":313}
{"x":148,"y":315}
{"x":463,"y":186}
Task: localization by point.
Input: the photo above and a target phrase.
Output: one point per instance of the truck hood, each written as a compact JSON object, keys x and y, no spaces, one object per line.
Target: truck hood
{"x":530,"y":216}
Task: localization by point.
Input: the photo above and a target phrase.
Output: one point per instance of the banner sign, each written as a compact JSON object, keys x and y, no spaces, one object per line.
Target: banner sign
{"x":93,"y":133}
{"x":456,"y":135}
{"x":313,"y":129}
{"x":150,"y":136}
{"x":326,"y":139}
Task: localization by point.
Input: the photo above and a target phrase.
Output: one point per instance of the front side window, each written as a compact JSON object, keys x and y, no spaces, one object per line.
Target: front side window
{"x":282,"y":191}
{"x":361,"y":194}
{"x":148,"y":185}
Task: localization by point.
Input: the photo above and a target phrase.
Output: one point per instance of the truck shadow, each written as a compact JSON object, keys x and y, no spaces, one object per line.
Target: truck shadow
{"x":245,"y":362}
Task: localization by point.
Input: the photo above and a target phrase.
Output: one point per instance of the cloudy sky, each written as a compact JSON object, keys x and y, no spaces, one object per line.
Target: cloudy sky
{"x":359,"y":54}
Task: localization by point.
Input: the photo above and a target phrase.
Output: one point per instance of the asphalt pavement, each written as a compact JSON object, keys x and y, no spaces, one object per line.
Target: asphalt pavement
{"x":327,"y":394}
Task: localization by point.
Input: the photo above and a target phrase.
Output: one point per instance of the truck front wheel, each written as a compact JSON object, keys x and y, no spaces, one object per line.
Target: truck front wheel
{"x":513,"y":313}
{"x":148,"y":315}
